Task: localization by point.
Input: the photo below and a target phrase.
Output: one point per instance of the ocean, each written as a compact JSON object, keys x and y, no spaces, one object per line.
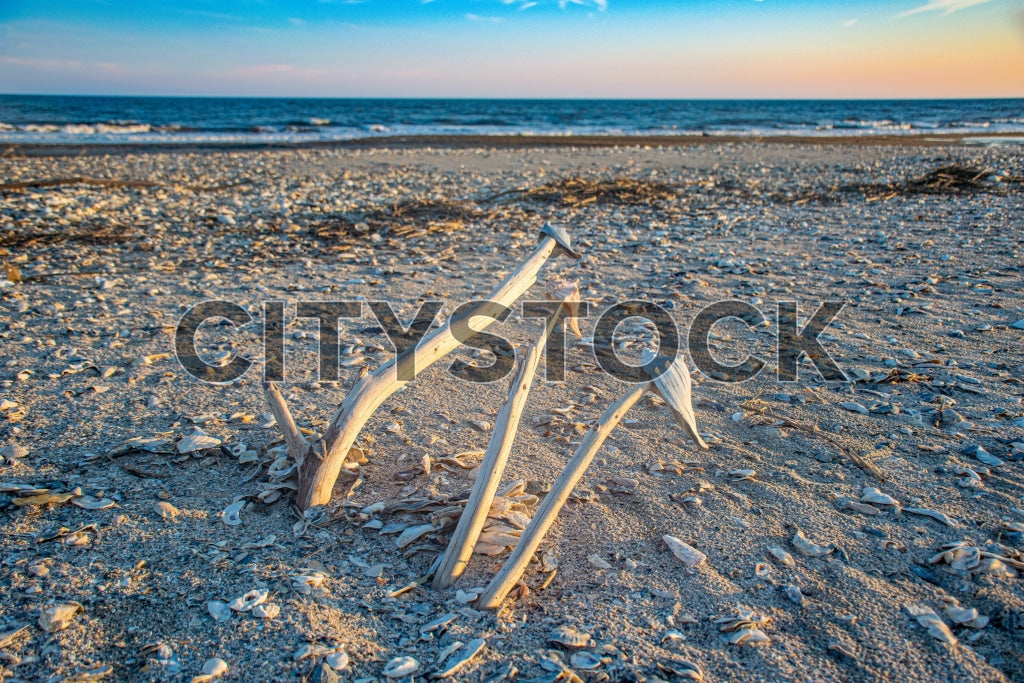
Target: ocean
{"x":52,"y":119}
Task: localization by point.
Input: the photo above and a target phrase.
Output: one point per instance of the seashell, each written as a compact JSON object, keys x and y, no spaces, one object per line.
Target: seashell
{"x":598,"y":561}
{"x":997,"y":567}
{"x":784,"y":558}
{"x":794,"y":594}
{"x":762,"y":569}
{"x":248,"y":457}
{"x":91,"y":503}
{"x":854,"y":407}
{"x":927,"y":618}
{"x":76,"y":539}
{"x":742,"y":475}
{"x":236,"y":449}
{"x":586,"y":661}
{"x":249,"y":600}
{"x":964,"y":616}
{"x":197,"y":442}
{"x":43,"y":497}
{"x":682,"y":670}
{"x":281,"y":468}
{"x":749,"y":636}
{"x":808,"y":548}
{"x":481,"y":425}
{"x":862,"y":508}
{"x":745,"y":619}
{"x":337,"y":660}
{"x":218,"y":610}
{"x":873,"y":495}
{"x":465,"y":597}
{"x":438,"y":623}
{"x":215,"y":667}
{"x":269,"y":610}
{"x":414,"y":533}
{"x":460,"y":658}
{"x":569,"y":637}
{"x":231,"y":515}
{"x":59,"y":617}
{"x":305,"y":585}
{"x":14,"y":452}
{"x":687,"y":554}
{"x":400,"y":667}
{"x":672,"y":382}
{"x":934,"y":514}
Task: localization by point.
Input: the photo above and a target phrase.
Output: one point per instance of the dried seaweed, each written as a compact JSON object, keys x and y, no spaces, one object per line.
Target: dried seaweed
{"x":43,"y":183}
{"x":951,"y":179}
{"x":578,"y":191}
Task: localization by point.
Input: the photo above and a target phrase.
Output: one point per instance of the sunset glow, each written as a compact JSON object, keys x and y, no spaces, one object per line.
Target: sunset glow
{"x":481,"y":48}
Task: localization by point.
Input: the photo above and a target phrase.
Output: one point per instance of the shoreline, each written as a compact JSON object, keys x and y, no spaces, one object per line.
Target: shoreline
{"x":13,"y":150}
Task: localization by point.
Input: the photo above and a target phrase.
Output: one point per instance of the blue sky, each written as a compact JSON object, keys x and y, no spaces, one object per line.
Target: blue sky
{"x":515,"y":48}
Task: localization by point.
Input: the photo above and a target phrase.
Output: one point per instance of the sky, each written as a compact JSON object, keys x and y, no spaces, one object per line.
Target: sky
{"x":515,"y":48}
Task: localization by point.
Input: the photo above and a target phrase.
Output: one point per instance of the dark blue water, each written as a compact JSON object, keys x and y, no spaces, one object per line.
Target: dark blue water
{"x":77,"y":120}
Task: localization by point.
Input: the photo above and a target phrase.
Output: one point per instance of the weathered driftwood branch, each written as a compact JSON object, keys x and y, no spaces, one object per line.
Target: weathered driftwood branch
{"x":323,"y":462}
{"x":297,"y":445}
{"x":673,"y":384}
{"x":474,"y":516}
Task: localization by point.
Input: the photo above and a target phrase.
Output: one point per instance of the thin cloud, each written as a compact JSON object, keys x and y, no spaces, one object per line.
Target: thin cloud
{"x":601,"y":5}
{"x":64,"y":65}
{"x":944,"y":6}
{"x":477,"y":17}
{"x":850,"y":23}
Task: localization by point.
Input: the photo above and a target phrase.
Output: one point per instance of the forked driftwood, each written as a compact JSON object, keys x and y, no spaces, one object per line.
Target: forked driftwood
{"x":474,"y":516}
{"x":297,"y":445}
{"x":323,"y":459}
{"x":671,"y":380}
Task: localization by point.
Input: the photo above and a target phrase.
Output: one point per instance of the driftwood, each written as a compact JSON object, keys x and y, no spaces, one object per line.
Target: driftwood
{"x":672,"y":382}
{"x":474,"y":516}
{"x":323,"y":460}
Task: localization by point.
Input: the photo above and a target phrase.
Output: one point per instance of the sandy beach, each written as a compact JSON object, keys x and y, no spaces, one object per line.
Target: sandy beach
{"x":119,"y":561}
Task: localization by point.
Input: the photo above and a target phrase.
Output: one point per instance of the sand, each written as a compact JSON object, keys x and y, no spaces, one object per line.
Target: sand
{"x":929,"y":266}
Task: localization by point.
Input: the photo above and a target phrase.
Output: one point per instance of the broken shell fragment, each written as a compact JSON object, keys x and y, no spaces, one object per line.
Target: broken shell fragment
{"x":749,"y":636}
{"x":873,"y":495}
{"x":808,"y":548}
{"x":218,"y":610}
{"x":400,"y":667}
{"x":687,"y":554}
{"x":569,"y":637}
{"x":93,"y":503}
{"x":59,"y":617}
{"x":232,"y":513}
{"x":460,"y":658}
{"x":964,"y":616}
{"x":672,"y":382}
{"x":934,"y":514}
{"x":784,"y":558}
{"x":197,"y":442}
{"x":267,"y":611}
{"x":249,"y":600}
{"x":587,"y":661}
